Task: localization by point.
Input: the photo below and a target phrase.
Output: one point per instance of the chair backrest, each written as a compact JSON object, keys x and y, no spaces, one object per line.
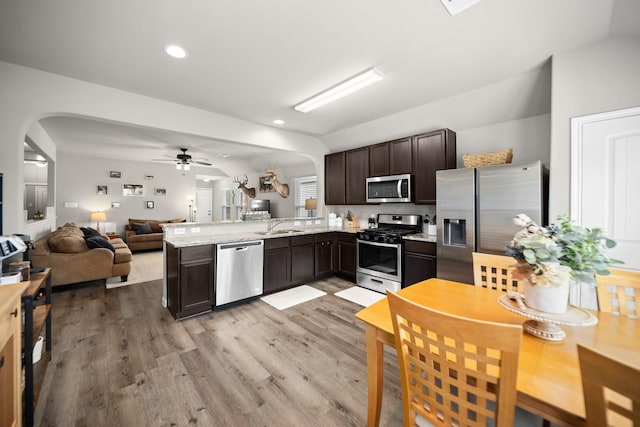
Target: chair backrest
{"x":453,"y":369}
{"x":610,"y":387}
{"x":494,"y":272}
{"x":619,"y":292}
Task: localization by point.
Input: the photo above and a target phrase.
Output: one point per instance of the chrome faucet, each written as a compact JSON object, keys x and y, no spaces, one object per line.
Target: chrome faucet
{"x":273,"y":223}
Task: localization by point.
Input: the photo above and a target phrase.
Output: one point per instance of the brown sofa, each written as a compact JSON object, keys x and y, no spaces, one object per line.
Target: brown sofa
{"x":67,"y":253}
{"x":149,"y":238}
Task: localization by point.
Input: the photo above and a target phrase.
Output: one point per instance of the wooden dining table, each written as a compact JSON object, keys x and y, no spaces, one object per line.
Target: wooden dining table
{"x":549,"y":383}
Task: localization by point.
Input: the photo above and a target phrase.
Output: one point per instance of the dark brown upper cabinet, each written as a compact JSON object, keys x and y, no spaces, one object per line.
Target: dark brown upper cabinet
{"x":432,"y":151}
{"x":357,"y":171}
{"x":379,"y":159}
{"x":334,"y":179}
{"x":400,"y":156}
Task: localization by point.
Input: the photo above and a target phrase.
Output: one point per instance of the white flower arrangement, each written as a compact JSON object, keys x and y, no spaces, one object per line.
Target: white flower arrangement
{"x":553,"y":255}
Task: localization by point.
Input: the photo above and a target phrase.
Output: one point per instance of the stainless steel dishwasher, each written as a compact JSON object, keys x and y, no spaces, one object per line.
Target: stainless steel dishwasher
{"x":238,"y":271}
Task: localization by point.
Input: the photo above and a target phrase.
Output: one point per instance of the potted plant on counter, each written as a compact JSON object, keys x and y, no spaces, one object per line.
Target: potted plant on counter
{"x":549,"y":258}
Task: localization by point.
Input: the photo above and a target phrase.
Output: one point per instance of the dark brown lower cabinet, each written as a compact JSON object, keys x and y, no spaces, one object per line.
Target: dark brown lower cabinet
{"x":346,"y":256}
{"x":324,"y":255}
{"x":419,"y":261}
{"x":302,"y":258}
{"x":277,"y":265}
{"x":190,"y":279}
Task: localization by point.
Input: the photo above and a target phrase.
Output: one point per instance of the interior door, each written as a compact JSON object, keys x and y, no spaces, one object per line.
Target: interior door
{"x":204,"y":197}
{"x":605,"y":176}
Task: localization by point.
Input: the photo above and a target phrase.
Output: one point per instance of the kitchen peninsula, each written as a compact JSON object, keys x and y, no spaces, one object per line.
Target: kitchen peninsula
{"x":280,"y":253}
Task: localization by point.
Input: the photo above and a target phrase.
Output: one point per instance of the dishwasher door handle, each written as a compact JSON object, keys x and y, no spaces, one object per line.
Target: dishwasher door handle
{"x":242,"y":249}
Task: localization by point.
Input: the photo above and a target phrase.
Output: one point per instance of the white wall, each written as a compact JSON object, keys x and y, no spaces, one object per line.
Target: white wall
{"x":600,"y":77}
{"x":280,"y":207}
{"x":78,"y":177}
{"x":29,"y":95}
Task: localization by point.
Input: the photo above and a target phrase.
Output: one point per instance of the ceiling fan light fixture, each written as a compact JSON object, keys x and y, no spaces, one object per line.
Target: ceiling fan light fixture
{"x":179,"y":166}
{"x":353,"y":84}
{"x":186,"y":166}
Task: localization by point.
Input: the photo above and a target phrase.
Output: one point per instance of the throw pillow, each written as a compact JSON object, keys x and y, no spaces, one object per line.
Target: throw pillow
{"x":67,"y":243}
{"x":94,"y":242}
{"x":141,"y":228}
{"x":90,"y":232}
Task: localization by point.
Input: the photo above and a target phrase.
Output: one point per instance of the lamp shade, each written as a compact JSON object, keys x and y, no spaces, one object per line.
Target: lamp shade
{"x":98,"y":216}
{"x":311,"y":204}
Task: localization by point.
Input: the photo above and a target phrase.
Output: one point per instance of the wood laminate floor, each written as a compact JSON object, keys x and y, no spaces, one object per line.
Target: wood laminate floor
{"x":120,"y":359}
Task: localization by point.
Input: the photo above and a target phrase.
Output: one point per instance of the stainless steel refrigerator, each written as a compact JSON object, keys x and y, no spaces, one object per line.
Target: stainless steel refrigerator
{"x":475,"y":209}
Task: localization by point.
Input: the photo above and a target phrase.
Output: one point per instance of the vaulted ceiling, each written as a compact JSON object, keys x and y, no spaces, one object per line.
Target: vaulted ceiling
{"x":255,"y":60}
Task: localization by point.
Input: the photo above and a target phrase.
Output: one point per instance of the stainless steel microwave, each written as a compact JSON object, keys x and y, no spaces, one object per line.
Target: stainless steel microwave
{"x":389,"y":189}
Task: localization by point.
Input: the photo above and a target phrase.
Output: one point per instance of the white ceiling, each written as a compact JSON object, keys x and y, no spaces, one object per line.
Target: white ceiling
{"x":255,"y":59}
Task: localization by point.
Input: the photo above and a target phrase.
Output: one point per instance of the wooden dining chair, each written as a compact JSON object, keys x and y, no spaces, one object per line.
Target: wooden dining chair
{"x":454,"y":371}
{"x":619,"y":292}
{"x":610,"y":388}
{"x":494,"y":272}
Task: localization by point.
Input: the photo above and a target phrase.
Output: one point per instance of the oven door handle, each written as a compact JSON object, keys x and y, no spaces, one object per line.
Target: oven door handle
{"x":386,"y":245}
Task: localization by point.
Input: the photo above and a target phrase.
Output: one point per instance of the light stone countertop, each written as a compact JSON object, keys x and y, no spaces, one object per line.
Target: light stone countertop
{"x":423,"y":237}
{"x":215,"y":239}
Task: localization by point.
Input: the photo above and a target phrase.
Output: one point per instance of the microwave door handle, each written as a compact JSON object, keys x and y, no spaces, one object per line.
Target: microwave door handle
{"x":399,"y":188}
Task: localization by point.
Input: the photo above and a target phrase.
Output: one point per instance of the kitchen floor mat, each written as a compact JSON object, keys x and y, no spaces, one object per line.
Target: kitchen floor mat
{"x":360,"y":295}
{"x":293,"y":296}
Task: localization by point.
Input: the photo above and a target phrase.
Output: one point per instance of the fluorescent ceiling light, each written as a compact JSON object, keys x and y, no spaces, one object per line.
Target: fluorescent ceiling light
{"x":456,"y":6}
{"x":175,"y":51}
{"x":345,"y":88}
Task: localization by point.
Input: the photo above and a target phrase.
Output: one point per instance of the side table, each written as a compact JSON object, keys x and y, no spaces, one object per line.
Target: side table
{"x":36,"y":304}
{"x":112,"y":236}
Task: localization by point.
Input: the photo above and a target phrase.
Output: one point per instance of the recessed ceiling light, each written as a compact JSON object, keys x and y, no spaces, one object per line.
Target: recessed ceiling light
{"x":223,"y":155}
{"x":278,"y":121}
{"x":175,"y":51}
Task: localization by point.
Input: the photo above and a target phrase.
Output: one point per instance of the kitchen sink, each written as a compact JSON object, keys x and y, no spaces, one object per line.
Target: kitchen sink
{"x":277,"y":232}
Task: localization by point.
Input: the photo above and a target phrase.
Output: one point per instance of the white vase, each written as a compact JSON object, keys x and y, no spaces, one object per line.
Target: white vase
{"x":550,"y":299}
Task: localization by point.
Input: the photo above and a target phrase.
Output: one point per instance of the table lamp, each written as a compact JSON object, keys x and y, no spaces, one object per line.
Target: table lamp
{"x":311,"y":205}
{"x":97,"y":217}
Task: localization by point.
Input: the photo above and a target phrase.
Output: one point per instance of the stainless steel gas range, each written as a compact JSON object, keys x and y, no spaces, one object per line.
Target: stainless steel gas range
{"x":379,"y":251}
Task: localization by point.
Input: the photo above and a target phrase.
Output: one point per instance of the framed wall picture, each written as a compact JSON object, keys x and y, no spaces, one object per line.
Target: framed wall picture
{"x":161,"y":192}
{"x":101,"y":190}
{"x":264,"y":186}
{"x":114,"y":174}
{"x":115,"y":205}
{"x":132,"y":190}
{"x":150,"y":204}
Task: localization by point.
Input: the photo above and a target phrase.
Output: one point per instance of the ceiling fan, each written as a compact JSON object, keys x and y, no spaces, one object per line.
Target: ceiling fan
{"x":184,"y":160}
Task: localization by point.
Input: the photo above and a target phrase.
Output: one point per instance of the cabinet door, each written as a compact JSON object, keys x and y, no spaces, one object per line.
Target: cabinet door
{"x":357,"y":171}
{"x":346,"y":256}
{"x":379,"y":159}
{"x":277,"y":270}
{"x":324,"y":258}
{"x":418,"y":267}
{"x":302,"y":263}
{"x":334,"y":179}
{"x":196,"y":284}
{"x":400,"y":156}
{"x":431,"y":152}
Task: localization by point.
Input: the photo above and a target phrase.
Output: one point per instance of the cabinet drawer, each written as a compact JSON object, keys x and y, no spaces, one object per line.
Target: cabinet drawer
{"x":7,"y":323}
{"x":302,"y":240}
{"x":324,"y":237}
{"x":196,"y":253}
{"x":427,"y":248}
{"x":346,"y":237}
{"x":277,"y":243}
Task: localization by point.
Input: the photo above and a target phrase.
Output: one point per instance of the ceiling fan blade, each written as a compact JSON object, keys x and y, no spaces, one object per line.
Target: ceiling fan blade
{"x":163,"y":160}
{"x":201,"y":163}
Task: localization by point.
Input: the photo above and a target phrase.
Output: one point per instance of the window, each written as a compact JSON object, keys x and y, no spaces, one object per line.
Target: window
{"x":305,"y":188}
{"x":227,"y":201}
